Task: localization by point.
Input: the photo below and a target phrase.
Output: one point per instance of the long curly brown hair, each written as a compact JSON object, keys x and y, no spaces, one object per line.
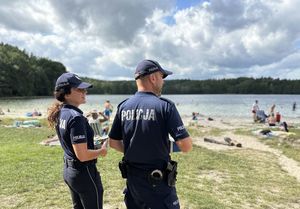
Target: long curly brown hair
{"x":54,"y":109}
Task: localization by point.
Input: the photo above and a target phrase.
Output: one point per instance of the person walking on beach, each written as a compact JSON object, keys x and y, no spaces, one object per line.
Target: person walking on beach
{"x":76,"y":138}
{"x":108,"y":108}
{"x":255,"y":108}
{"x":140,"y":130}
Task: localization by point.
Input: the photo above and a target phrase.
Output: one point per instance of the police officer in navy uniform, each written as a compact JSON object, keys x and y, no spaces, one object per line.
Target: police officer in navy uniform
{"x":140,"y":130}
{"x":76,"y":138}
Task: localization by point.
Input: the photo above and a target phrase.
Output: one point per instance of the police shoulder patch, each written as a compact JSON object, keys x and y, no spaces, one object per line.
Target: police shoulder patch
{"x":122,"y":102}
{"x":166,"y":100}
{"x":74,"y":113}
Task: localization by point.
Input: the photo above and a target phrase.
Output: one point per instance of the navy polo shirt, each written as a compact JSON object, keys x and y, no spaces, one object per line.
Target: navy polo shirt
{"x":73,"y":128}
{"x":144,"y":122}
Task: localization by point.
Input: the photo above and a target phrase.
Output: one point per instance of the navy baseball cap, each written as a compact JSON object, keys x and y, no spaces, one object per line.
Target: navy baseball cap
{"x":71,"y":79}
{"x":146,"y":67}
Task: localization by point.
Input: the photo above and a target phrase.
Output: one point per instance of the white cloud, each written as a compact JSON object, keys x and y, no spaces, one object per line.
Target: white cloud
{"x":106,"y":39}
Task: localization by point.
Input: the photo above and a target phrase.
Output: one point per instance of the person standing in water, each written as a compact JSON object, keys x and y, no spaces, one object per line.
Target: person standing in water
{"x":294,"y":106}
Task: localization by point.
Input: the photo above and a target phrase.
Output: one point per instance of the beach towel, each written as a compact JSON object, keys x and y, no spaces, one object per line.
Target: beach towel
{"x":27,"y":123}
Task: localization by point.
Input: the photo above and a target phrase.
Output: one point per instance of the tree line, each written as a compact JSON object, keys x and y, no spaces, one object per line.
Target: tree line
{"x":22,"y":74}
{"x":240,"y":85}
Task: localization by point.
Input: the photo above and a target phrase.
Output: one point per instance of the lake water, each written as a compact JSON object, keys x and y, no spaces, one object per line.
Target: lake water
{"x":208,"y":105}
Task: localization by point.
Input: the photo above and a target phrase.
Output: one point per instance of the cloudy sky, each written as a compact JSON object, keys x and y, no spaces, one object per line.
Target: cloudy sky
{"x":196,"y":39}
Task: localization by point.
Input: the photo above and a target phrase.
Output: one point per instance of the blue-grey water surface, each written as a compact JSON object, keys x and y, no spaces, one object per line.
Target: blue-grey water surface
{"x":208,"y":105}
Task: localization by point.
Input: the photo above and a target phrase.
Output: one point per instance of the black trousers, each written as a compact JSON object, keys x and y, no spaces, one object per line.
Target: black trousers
{"x":140,"y":194}
{"x":85,"y":186}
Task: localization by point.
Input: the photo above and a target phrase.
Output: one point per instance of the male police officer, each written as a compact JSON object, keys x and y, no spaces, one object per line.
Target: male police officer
{"x":140,"y":130}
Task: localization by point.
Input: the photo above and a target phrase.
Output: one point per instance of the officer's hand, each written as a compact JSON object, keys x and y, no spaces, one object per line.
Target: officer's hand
{"x":103,"y":152}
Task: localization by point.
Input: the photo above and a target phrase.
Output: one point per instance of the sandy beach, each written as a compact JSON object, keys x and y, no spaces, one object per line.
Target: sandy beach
{"x":227,"y":127}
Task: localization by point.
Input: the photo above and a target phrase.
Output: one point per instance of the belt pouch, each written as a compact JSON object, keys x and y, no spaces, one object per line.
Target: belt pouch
{"x":123,"y":168}
{"x":171,"y":172}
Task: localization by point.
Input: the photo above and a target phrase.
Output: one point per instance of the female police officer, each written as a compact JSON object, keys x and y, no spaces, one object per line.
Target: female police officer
{"x":140,"y":130}
{"x":76,"y":138}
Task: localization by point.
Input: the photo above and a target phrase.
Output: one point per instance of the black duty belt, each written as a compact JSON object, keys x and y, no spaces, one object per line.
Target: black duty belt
{"x":154,"y":176}
{"x":77,"y":164}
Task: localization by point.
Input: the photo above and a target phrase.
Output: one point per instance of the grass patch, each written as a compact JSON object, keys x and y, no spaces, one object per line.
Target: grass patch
{"x":199,"y":132}
{"x":289,"y":145}
{"x":233,"y":179}
{"x":31,"y":176}
{"x":242,"y":131}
